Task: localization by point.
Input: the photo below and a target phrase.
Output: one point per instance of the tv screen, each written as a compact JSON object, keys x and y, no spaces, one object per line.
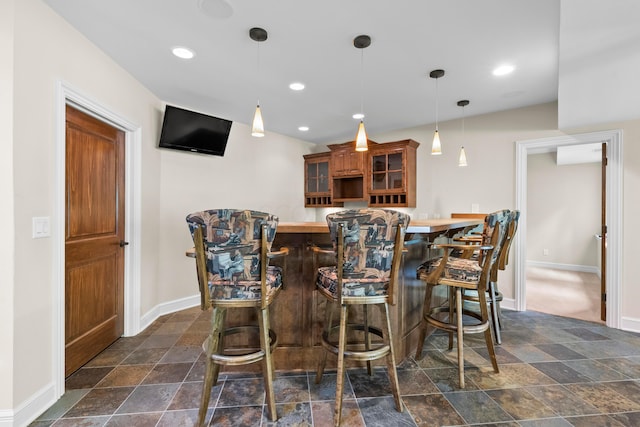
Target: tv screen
{"x":190,"y":131}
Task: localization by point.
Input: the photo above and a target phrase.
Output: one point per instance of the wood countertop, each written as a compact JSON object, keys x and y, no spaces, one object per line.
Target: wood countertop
{"x":415,"y":226}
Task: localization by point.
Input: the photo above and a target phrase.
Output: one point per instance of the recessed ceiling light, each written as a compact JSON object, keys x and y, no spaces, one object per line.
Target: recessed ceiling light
{"x":303,"y":128}
{"x":296,"y":86}
{"x":358,"y":116}
{"x":183,"y":52}
{"x":503,"y":70}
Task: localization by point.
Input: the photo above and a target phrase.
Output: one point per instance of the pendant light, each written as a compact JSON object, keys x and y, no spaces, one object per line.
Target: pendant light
{"x":462,"y":159}
{"x":257,"y":128}
{"x":436,"y":148}
{"x":361,"y":42}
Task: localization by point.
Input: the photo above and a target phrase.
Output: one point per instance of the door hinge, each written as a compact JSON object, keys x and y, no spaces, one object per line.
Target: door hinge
{"x":603,"y":297}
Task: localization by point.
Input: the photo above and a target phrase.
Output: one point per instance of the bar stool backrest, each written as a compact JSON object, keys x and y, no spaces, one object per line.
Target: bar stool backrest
{"x":233,"y":248}
{"x":369,"y":248}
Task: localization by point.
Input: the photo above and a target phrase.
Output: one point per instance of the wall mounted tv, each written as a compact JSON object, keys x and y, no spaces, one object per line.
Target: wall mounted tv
{"x":190,"y":131}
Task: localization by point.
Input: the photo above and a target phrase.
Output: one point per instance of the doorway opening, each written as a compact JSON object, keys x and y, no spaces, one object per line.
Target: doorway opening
{"x":613,"y":204}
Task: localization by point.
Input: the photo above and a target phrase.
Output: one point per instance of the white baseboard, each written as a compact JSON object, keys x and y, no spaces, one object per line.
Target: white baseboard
{"x":508,"y":303}
{"x":31,"y":409}
{"x":167,"y":308}
{"x":630,"y":324}
{"x":568,"y":267}
{"x":6,"y":418}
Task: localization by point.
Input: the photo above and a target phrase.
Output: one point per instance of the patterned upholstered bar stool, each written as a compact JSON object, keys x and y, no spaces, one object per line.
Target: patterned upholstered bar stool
{"x":457,"y":274}
{"x":233,"y":248}
{"x":493,"y":292}
{"x":494,"y":296}
{"x":368,"y":248}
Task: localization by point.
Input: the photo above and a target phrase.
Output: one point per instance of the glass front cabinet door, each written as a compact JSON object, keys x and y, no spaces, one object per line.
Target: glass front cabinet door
{"x":392,"y":178}
{"x":317,"y":180}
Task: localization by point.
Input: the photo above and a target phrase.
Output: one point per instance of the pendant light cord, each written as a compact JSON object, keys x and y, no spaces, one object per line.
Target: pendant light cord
{"x":463,"y":140}
{"x":258,"y":69}
{"x":437,"y":107}
{"x":362,"y":82}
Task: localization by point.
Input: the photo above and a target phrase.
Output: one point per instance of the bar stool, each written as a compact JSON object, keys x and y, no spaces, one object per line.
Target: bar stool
{"x":493,"y":292}
{"x":494,"y":296}
{"x":368,"y":249}
{"x":233,"y":249}
{"x":458,"y":274}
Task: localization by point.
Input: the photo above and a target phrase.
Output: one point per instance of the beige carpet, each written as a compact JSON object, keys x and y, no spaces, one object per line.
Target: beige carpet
{"x":564,"y":293}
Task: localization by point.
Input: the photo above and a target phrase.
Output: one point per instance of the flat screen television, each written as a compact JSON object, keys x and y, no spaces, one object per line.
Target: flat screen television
{"x":191,"y":131}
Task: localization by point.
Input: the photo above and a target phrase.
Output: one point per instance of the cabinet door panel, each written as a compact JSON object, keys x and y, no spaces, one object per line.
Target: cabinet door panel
{"x":323,"y":177}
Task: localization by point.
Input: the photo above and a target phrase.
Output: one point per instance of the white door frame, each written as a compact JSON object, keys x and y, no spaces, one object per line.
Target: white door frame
{"x":613,"y":138}
{"x":66,"y":94}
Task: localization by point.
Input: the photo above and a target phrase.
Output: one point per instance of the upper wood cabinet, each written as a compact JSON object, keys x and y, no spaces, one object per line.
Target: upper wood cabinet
{"x":392,"y":177}
{"x":349,"y":171}
{"x":317,"y":180}
{"x":383,"y":176}
{"x":346,"y":161}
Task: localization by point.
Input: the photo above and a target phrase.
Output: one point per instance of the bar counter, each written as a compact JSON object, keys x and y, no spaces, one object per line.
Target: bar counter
{"x":297,"y":315}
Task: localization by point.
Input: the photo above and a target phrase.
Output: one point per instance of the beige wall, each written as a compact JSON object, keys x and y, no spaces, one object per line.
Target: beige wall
{"x":563,"y":211}
{"x":6,"y":207}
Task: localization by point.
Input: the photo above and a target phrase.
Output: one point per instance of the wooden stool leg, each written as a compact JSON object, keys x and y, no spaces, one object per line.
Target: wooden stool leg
{"x":426,"y":309}
{"x":328,"y":319}
{"x":367,"y":336}
{"x":265,"y":343}
{"x":460,"y":331}
{"x":495,"y":319}
{"x":391,"y":361}
{"x":487,"y":333}
{"x":454,"y":303}
{"x":210,"y":374}
{"x":342,"y":345}
{"x":221,"y":326}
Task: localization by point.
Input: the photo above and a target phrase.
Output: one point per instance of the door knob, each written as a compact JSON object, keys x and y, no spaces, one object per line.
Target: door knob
{"x":123,"y":243}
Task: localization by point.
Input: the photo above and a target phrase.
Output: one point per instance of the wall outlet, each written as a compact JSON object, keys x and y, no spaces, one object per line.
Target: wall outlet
{"x":475,"y":208}
{"x":545,"y":252}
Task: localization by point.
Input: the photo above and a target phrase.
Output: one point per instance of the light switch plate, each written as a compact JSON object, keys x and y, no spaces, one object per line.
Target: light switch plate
{"x":475,"y":208}
{"x":41,"y":227}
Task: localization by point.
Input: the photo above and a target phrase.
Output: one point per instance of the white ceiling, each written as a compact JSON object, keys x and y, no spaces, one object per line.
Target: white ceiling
{"x":312,"y":42}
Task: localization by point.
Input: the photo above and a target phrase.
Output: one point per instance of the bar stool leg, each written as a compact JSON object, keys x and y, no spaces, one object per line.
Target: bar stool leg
{"x":328,"y":319}
{"x":367,"y":336}
{"x":391,"y":361}
{"x":495,"y":316}
{"x":426,"y":309}
{"x":453,"y":304}
{"x":210,"y":370}
{"x":460,"y":334}
{"x":265,"y":342}
{"x":487,"y":333}
{"x":342,"y":345}
{"x":220,"y":327}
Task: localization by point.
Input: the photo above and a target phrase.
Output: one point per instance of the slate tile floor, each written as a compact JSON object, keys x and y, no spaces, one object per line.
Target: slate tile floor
{"x":555,"y":371}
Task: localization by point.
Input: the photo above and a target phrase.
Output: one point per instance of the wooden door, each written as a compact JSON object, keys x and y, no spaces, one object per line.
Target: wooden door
{"x":603,"y":238}
{"x":94,"y":237}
